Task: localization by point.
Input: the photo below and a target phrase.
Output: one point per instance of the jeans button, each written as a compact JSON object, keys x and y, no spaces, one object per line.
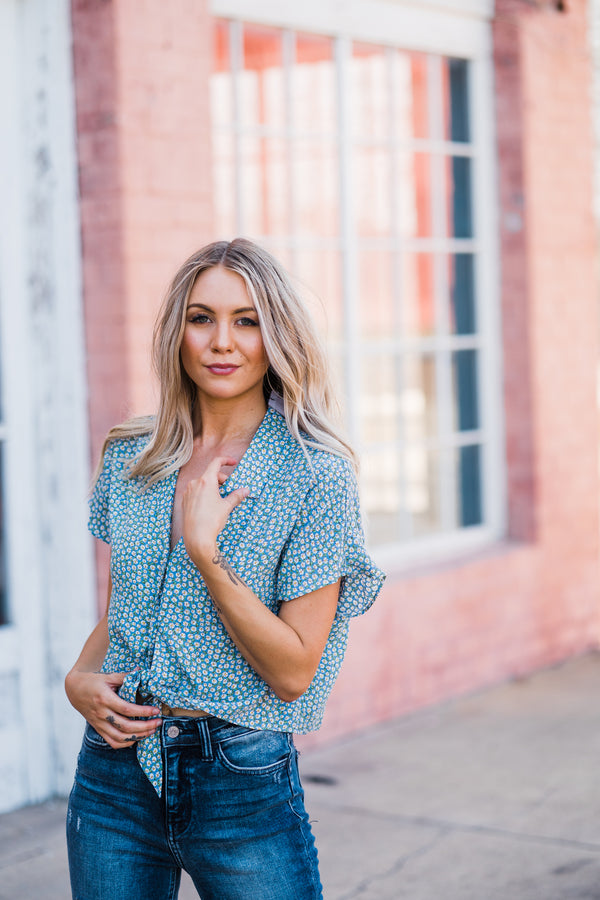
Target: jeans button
{"x":172,"y":731}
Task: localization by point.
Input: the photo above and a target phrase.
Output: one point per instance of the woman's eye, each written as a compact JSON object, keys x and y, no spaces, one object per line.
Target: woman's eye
{"x":199,"y":318}
{"x":246,"y":320}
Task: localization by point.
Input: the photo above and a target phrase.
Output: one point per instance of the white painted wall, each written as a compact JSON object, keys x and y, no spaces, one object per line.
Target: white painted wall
{"x":43,"y":374}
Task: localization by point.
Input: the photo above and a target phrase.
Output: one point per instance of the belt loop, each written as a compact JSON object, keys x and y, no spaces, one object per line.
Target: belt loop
{"x":204,"y":735}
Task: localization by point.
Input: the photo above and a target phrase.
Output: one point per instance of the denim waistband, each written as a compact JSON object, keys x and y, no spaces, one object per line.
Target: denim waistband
{"x":200,"y":732}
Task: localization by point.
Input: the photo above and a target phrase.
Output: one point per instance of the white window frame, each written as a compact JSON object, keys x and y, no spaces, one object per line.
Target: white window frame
{"x":453,"y":28}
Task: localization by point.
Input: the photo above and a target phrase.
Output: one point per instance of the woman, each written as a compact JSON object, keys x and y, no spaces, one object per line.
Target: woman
{"x":237,"y":559}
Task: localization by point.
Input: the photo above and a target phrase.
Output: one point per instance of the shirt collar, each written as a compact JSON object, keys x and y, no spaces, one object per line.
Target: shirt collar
{"x":255,"y":466}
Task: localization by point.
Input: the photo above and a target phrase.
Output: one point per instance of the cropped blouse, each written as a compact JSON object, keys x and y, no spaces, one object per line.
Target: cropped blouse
{"x":298,"y":530}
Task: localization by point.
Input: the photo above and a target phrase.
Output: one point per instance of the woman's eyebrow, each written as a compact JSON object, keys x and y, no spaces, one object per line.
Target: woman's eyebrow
{"x":235,"y":312}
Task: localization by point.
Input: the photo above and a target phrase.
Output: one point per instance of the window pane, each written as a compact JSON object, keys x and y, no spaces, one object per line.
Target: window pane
{"x":417,"y":301}
{"x":414,"y":185}
{"x":372,"y":179}
{"x":369,"y":92}
{"x":224,"y":185}
{"x":261,"y":83}
{"x":319,"y":274}
{"x":421,"y":475}
{"x":313,"y":85}
{"x":316,"y":196}
{"x":381,"y":494}
{"x":469,"y":485}
{"x":401,"y":493}
{"x":410,"y":98}
{"x":280,"y":250}
{"x":376,"y":301}
{"x":264,"y":186}
{"x":459,"y":189}
{"x":337,"y":371}
{"x":456,"y":100}
{"x":379,"y":407}
{"x":418,"y":397}
{"x":466,"y":411}
{"x":462,"y":294}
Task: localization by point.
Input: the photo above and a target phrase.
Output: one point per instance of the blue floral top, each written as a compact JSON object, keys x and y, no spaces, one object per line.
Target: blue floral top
{"x":298,"y":530}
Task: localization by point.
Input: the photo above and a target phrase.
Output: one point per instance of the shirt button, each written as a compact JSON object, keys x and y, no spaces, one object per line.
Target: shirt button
{"x":173,"y":731}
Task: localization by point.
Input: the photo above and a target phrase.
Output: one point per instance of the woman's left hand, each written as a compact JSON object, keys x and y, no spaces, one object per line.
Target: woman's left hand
{"x":205,"y":511}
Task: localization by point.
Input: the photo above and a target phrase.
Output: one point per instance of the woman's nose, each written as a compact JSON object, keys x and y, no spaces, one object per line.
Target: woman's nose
{"x":222,"y":337}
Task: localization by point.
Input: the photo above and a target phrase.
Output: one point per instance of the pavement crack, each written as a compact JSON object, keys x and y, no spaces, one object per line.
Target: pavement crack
{"x":397,"y":867}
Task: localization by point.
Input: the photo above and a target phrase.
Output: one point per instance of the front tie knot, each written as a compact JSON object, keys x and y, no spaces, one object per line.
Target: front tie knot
{"x":148,"y":749}
{"x":133,"y":684}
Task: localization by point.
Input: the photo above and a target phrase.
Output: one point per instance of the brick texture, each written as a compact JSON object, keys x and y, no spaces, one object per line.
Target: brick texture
{"x":142,"y":94}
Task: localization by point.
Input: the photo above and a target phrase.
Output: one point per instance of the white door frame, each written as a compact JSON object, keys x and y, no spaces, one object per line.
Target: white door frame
{"x":49,"y":558}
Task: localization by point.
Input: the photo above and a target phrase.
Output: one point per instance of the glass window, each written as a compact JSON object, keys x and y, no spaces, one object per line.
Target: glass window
{"x":469,"y":485}
{"x":459,"y":193}
{"x":353,"y":163}
{"x":261,"y":86}
{"x":462,"y":294}
{"x":466,"y":416}
{"x":456,"y":100}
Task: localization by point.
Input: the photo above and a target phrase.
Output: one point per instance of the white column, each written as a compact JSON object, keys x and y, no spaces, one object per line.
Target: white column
{"x":51,"y":584}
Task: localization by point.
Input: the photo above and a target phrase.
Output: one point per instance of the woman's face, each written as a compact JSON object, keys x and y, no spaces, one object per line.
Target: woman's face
{"x":222,"y":350}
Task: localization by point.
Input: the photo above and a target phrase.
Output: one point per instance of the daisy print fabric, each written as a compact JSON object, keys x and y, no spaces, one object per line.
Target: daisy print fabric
{"x":298,"y":530}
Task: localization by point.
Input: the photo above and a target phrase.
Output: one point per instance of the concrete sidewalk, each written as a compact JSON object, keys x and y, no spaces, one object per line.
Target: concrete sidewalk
{"x":491,"y":797}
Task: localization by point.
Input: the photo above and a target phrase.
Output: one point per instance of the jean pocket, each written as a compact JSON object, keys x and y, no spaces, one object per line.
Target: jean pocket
{"x":93,"y":739}
{"x":255,"y":752}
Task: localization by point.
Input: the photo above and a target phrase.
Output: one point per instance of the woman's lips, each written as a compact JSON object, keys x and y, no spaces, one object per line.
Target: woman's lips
{"x":222,"y":370}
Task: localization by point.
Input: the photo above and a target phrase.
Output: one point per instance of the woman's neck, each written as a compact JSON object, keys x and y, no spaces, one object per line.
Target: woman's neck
{"x":217,"y":422}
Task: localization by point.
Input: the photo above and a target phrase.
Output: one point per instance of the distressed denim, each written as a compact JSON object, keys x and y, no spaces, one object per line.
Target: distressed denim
{"x":231,"y":814}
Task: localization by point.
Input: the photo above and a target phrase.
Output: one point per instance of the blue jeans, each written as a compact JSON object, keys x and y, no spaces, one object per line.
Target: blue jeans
{"x":232,"y":815}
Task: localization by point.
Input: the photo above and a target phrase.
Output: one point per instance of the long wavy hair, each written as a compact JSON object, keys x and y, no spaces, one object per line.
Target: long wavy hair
{"x":297,"y":367}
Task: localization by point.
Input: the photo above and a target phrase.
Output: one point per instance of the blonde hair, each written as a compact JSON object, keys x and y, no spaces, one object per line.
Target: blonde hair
{"x":297,"y":363}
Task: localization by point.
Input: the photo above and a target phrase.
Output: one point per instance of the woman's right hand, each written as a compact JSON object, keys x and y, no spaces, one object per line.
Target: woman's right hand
{"x":94,"y":695}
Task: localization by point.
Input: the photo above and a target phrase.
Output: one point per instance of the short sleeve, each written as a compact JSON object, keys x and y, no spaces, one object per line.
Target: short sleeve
{"x":327,"y":543}
{"x":98,"y":521}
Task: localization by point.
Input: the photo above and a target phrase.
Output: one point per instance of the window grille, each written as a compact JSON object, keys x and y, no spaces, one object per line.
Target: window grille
{"x":354,"y":164}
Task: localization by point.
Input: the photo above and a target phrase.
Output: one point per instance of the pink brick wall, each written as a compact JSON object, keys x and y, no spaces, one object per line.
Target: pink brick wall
{"x":141,"y":71}
{"x":141,"y":75}
{"x":97,"y":100}
{"x":164,"y":65}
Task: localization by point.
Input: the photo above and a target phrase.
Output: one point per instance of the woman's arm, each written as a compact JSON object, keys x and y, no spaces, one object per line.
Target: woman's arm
{"x":93,"y":693}
{"x":285,"y":650}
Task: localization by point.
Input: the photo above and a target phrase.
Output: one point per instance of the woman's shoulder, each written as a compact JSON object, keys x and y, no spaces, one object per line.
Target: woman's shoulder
{"x":319,"y":463}
{"x":328,"y":465}
{"x":129,"y":438}
{"x":328,"y":473}
{"x":335,"y":482}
